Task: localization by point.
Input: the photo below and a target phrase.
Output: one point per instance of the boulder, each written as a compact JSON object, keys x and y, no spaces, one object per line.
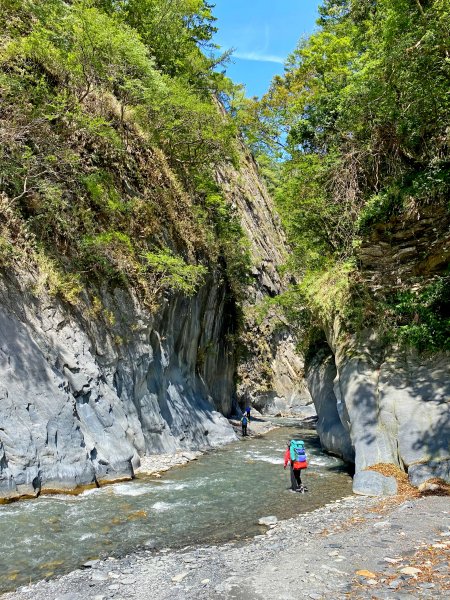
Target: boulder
{"x":419,"y":474}
{"x":371,"y":483}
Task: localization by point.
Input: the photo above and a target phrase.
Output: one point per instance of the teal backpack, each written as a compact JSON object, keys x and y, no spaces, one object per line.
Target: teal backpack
{"x":297,"y":450}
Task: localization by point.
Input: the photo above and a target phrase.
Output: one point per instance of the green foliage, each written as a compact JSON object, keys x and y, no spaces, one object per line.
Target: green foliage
{"x":58,"y":283}
{"x":422,"y":318}
{"x":217,"y":214}
{"x":108,"y":127}
{"x":358,"y":130}
{"x":173,"y":273}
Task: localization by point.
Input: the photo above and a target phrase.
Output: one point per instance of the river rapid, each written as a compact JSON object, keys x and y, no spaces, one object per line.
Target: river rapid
{"x":217,"y":498}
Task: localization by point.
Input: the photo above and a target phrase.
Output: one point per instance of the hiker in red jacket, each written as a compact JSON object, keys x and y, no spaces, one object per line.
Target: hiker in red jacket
{"x":296,"y":466}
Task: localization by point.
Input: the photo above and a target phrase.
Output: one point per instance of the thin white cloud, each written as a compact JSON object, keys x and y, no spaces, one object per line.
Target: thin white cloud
{"x":259,"y":57}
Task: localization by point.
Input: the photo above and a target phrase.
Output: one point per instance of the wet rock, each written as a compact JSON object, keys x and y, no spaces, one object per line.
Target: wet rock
{"x":270,"y":521}
{"x":90,"y":563}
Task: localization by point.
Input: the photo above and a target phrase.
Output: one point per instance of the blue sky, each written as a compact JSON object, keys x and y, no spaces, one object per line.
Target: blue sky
{"x":263,"y":33}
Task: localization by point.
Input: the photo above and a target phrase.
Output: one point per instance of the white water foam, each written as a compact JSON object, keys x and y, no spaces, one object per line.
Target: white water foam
{"x":323,"y":461}
{"x":172,"y":486}
{"x":87,"y":536}
{"x":256,"y":456}
{"x":130,"y":489}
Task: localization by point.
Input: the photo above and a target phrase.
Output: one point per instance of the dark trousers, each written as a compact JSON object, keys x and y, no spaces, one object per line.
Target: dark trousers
{"x":296,"y":478}
{"x":244,"y":429}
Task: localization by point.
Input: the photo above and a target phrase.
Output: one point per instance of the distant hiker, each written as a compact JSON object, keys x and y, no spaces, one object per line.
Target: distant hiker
{"x":247,"y":410}
{"x":295,"y":455}
{"x":244,"y":422}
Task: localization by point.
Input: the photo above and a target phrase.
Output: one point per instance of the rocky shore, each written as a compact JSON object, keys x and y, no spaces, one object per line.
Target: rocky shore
{"x":357,"y":547}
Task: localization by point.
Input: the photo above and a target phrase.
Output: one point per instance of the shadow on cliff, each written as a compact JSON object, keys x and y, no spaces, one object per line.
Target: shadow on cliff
{"x":436,"y":441}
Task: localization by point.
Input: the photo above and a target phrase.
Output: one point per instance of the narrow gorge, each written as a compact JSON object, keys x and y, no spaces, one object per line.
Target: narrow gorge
{"x":152,"y":287}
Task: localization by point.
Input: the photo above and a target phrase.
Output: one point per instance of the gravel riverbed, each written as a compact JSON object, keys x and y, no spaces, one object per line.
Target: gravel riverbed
{"x":356,"y":547}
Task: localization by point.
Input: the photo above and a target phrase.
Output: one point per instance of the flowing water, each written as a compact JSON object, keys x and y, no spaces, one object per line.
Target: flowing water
{"x":219,"y":497}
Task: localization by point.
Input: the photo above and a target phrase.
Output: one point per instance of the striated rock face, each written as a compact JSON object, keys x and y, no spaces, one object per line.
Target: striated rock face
{"x":390,"y":406}
{"x":333,"y":425}
{"x":86,"y":391}
{"x":271,"y":372}
{"x":403,"y":252}
{"x":82,"y":397}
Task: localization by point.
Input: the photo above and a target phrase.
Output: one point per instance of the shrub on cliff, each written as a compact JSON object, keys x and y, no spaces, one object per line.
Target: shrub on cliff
{"x":108,"y":126}
{"x":357,"y":131}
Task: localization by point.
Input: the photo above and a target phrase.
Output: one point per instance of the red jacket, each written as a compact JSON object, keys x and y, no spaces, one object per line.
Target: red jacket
{"x":287,"y":457}
{"x":295,"y":464}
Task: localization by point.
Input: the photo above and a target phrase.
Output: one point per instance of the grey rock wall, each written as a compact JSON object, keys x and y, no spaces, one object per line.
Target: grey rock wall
{"x":82,"y":397}
{"x":333,"y":424}
{"x":394,"y":404}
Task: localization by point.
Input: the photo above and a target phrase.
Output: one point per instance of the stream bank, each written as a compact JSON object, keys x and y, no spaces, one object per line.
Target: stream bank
{"x":357,"y":547}
{"x":215,"y":499}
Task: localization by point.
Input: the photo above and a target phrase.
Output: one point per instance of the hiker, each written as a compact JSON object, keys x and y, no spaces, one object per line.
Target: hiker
{"x":247,"y":410}
{"x":295,"y":455}
{"x":244,"y":422}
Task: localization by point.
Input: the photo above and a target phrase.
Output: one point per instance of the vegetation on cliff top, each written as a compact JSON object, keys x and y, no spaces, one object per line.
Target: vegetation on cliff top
{"x":109,"y":135}
{"x":354,"y":133}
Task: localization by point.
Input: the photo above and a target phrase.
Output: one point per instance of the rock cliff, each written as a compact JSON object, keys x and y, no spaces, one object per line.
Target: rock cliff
{"x":386,"y":403}
{"x":270,"y":370}
{"x":86,"y":390}
{"x":83,"y":397}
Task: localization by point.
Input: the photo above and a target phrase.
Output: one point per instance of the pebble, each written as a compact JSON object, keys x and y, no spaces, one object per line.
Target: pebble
{"x":113,"y":575}
{"x":205,"y":581}
{"x":364,"y":573}
{"x":179,"y":578}
{"x":410,"y":571}
{"x":99,"y":576}
{"x":114,"y":587}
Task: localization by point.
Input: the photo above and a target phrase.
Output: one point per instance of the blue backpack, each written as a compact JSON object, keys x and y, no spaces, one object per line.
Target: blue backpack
{"x":244,"y":420}
{"x":297,"y":451}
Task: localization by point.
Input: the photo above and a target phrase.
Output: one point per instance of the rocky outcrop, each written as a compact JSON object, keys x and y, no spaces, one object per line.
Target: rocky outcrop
{"x":84,"y":395}
{"x":271,"y":371}
{"x":403,"y":252}
{"x":87,"y":390}
{"x":333,"y":425}
{"x":389,"y":405}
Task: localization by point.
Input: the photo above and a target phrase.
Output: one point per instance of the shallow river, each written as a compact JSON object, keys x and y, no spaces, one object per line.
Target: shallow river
{"x":219,"y":497}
